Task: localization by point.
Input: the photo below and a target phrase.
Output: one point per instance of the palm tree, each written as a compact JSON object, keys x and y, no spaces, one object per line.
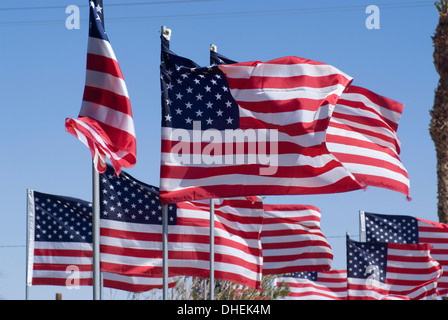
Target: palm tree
{"x":439,"y":113}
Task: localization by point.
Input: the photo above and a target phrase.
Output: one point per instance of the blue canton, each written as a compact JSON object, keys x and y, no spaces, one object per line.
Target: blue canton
{"x":216,"y":58}
{"x":366,"y":260}
{"x":62,"y":219}
{"x":191,"y":93}
{"x":390,"y":228}
{"x":96,"y":20}
{"x":126,"y":199}
{"x":310,"y":275}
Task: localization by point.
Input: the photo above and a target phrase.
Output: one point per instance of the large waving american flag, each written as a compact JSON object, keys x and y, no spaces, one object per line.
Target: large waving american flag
{"x":60,"y":246}
{"x":104,"y":124}
{"x":248,"y":129}
{"x":391,"y":271}
{"x":407,"y":229}
{"x":131,"y":233}
{"x":292,"y":240}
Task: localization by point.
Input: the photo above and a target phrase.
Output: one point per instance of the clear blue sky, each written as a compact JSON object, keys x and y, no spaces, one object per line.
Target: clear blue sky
{"x":42,"y":70}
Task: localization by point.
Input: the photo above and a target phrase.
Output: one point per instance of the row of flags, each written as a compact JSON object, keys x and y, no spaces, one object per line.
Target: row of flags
{"x":398,"y":257}
{"x":299,"y":127}
{"x":314,"y":132}
{"x":251,"y":239}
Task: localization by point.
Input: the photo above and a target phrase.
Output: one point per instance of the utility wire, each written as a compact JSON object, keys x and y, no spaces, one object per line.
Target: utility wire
{"x":13,"y":246}
{"x":109,"y":5}
{"x":229,"y":14}
{"x":390,"y":5}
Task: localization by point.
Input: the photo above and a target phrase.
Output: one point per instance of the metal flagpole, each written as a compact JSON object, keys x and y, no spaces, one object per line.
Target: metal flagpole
{"x":165,"y":250}
{"x":28,"y":225}
{"x":362,"y":226}
{"x":167,"y":34}
{"x":97,"y":277}
{"x":212,"y":249}
{"x":212,"y":230}
{"x":347,"y":237}
{"x":96,"y":233}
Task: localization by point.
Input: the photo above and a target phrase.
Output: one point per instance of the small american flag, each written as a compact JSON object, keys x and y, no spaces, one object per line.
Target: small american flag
{"x":312,"y":285}
{"x":104,"y":124}
{"x":363,"y":135}
{"x":60,"y":242}
{"x":292,"y":240}
{"x":131,"y":233}
{"x":407,"y":229}
{"x":390,"y":271}
{"x":287,"y":126}
{"x":60,"y":235}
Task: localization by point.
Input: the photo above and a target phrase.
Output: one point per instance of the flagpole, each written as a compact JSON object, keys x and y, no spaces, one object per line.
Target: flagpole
{"x":166,"y":33}
{"x":165,"y":250}
{"x":97,"y":281}
{"x":96,"y":233}
{"x":347,"y":237}
{"x":212,"y":231}
{"x":212,"y":249}
{"x":362,"y":226}
{"x":27,"y":280}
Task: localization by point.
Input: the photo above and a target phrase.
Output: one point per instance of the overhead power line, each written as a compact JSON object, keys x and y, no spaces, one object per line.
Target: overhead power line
{"x":127,"y":4}
{"x":13,"y":246}
{"x":235,"y":14}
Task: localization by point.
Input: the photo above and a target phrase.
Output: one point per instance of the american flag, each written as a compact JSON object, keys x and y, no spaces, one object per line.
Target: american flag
{"x":60,"y":246}
{"x":292,"y":240}
{"x":390,"y":271}
{"x":363,"y":135}
{"x":104,"y":124}
{"x":407,"y":229}
{"x":313,"y":285}
{"x":224,"y":134}
{"x":131,"y":233}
